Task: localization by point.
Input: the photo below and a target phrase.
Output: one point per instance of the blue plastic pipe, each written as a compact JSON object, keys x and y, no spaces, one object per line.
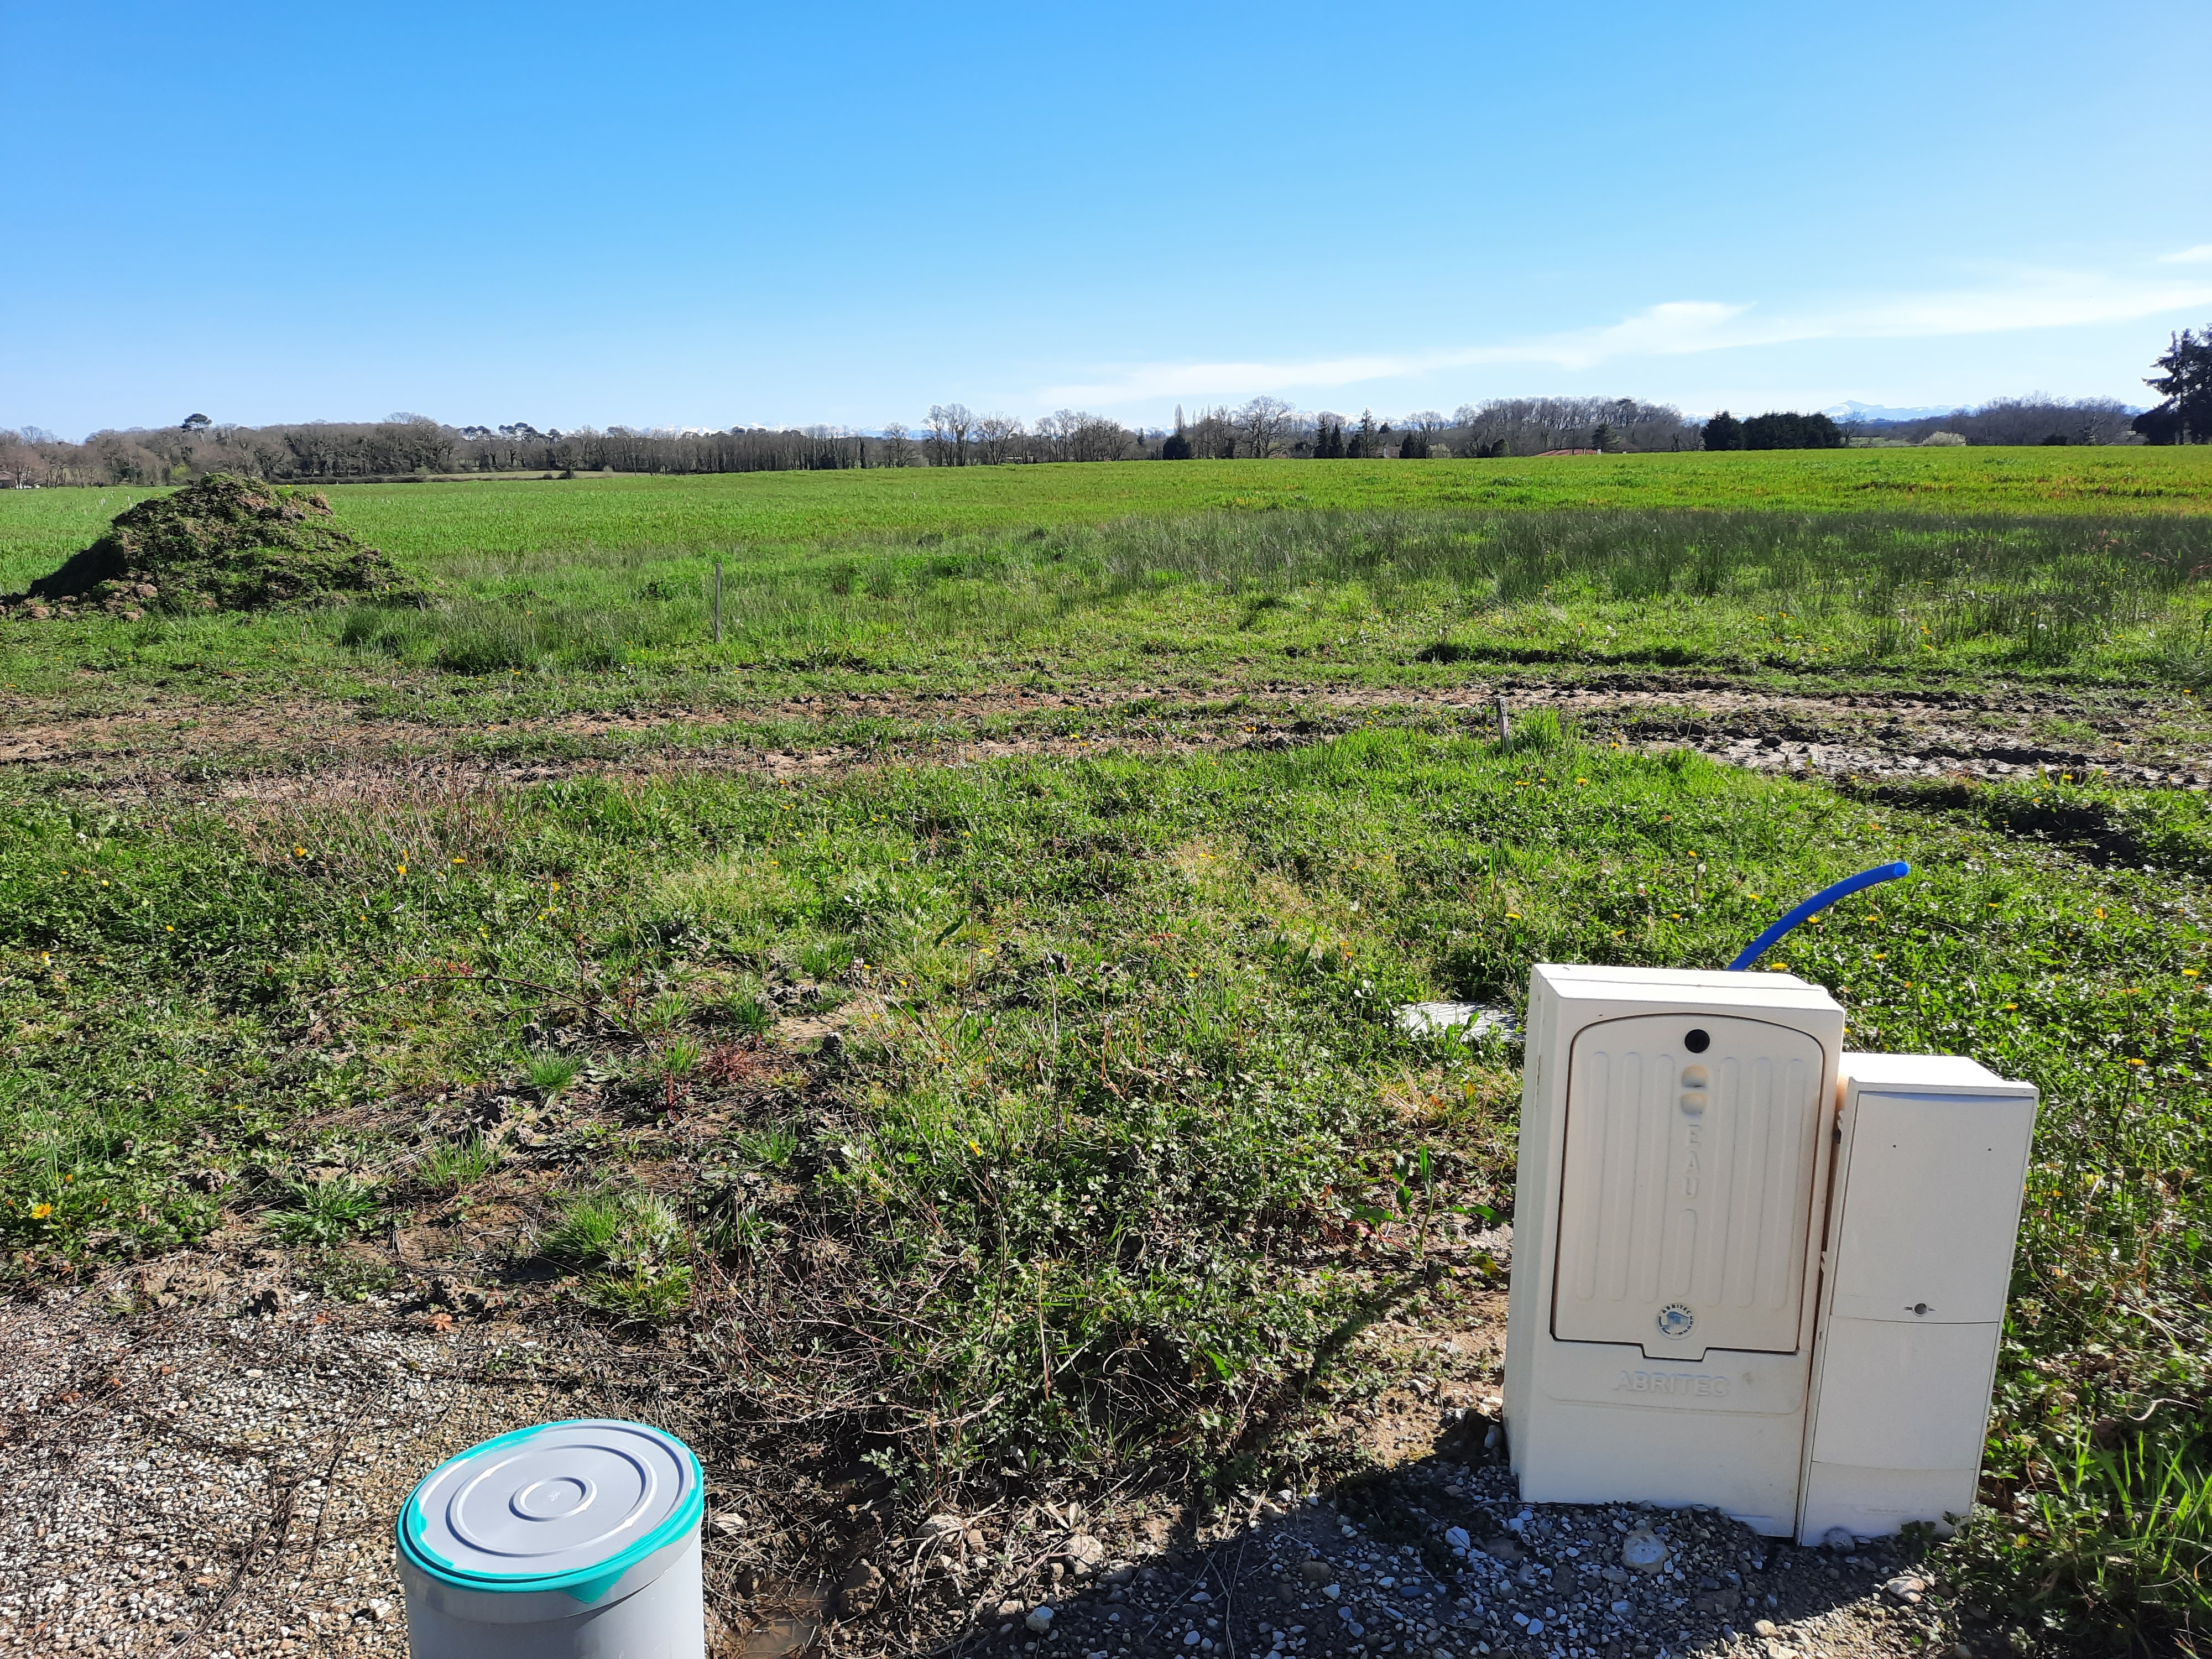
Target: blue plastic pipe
{"x":1813,"y":906}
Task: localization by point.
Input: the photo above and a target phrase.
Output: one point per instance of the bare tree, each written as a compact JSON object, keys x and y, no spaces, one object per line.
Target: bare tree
{"x":1213,"y":436}
{"x":1095,"y":438}
{"x":1262,"y":422}
{"x":1070,"y":434}
{"x":2036,"y":418}
{"x":950,"y":428}
{"x":994,"y":437}
{"x":1529,"y":426}
{"x":898,"y":444}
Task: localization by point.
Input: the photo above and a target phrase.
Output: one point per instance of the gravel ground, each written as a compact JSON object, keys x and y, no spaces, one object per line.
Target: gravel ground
{"x":1443,"y":1563}
{"x":185,"y":1483}
{"x":218,"y":1479}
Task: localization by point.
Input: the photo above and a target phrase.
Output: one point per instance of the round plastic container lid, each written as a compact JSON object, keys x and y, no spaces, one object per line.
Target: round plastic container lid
{"x":569,"y":1505}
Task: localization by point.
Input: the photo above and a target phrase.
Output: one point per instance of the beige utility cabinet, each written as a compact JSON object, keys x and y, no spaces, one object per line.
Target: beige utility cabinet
{"x":1932,"y":1158}
{"x":1668,"y":1212}
{"x":1751,"y":1271}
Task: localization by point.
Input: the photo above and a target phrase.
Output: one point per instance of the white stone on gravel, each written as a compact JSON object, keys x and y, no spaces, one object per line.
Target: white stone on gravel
{"x":1644,"y":1551}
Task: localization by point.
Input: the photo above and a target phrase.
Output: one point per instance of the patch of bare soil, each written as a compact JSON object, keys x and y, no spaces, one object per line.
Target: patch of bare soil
{"x":208,"y":751}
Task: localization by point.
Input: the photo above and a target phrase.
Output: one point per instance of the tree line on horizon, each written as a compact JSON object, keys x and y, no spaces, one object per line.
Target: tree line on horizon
{"x":408,"y":445}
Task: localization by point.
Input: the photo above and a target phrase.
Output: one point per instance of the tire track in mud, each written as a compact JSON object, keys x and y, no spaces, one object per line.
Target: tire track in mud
{"x":194,"y":749}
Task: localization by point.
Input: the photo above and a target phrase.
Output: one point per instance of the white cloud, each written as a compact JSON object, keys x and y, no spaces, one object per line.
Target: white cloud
{"x":1191,"y":379}
{"x":2029,"y":300}
{"x":2199,"y":255}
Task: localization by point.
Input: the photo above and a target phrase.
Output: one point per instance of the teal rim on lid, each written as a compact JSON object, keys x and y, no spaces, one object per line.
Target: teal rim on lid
{"x":569,"y":1506}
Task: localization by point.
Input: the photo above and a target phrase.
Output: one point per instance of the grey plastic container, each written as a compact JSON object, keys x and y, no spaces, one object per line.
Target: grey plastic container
{"x":577,"y":1540}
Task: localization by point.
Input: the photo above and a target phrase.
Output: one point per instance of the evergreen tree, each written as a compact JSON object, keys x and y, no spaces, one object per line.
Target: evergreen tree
{"x":2185,"y":417}
{"x":1725,"y":431}
{"x":1788,"y":429}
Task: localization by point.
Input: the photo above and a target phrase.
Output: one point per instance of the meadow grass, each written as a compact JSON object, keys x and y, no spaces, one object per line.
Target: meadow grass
{"x":1126,"y":1129}
{"x":421,"y":524}
{"x":1374,"y":597}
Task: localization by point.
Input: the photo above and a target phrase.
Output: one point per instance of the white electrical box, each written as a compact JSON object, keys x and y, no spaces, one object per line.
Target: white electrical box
{"x":1675,"y":1134}
{"x":1932,"y":1158}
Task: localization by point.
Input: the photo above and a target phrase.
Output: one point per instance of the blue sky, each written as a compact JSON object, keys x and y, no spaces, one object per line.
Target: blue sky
{"x":672,"y":216}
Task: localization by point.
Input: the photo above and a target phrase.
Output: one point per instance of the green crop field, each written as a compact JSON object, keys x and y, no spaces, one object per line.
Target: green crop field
{"x":1010,"y":1078}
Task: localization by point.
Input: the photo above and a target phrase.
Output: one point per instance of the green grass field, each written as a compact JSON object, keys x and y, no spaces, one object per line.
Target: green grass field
{"x":421,"y":523}
{"x":1122,"y":1133}
{"x":2008,"y":563}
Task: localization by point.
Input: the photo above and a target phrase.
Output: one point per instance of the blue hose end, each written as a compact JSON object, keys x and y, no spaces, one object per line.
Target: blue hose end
{"x":1813,"y":906}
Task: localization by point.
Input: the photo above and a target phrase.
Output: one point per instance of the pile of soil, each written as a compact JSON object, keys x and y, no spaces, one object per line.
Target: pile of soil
{"x":224,"y":543}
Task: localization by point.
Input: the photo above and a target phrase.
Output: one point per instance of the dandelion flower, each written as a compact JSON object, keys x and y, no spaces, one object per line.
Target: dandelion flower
{"x":40,"y":1211}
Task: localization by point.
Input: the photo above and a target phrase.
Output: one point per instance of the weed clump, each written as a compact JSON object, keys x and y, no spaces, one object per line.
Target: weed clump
{"x":224,"y":543}
{"x":630,"y":1248}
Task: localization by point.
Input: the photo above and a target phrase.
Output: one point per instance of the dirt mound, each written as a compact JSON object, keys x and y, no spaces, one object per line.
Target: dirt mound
{"x":224,"y":543}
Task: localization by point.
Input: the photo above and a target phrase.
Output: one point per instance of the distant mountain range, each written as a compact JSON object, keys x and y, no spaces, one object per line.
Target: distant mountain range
{"x":1855,"y":410}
